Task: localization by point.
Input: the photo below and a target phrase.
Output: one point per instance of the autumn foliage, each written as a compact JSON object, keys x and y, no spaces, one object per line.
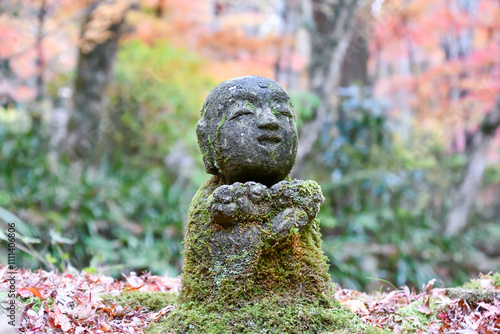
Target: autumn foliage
{"x":391,"y":148}
{"x":83,"y":303}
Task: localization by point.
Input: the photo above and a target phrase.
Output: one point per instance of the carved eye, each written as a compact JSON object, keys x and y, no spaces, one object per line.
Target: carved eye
{"x":284,"y":110}
{"x":241,"y":112}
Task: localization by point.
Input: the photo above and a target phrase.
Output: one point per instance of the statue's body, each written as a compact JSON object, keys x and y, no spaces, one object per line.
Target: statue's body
{"x":252,"y":244}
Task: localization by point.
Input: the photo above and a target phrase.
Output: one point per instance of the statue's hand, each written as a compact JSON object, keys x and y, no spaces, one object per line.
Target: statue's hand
{"x":239,"y":202}
{"x":296,"y":203}
{"x":223,"y":207}
{"x":292,"y":204}
{"x":305,"y":196}
{"x":283,"y":223}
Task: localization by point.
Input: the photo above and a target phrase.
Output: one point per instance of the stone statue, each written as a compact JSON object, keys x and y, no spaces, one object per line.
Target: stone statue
{"x":252,"y":244}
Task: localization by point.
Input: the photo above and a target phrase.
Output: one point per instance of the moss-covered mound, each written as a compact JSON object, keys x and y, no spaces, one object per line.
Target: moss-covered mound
{"x":253,"y":263}
{"x":269,"y":315}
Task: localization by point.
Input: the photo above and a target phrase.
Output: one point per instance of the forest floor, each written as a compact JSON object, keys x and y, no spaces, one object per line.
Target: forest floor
{"x":49,"y":302}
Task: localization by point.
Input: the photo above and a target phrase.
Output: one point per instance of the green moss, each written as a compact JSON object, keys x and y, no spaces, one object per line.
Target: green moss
{"x":473,"y":291}
{"x":272,"y":286}
{"x":473,"y":284}
{"x":270,"y":315}
{"x":211,"y":146}
{"x":275,"y":111}
{"x":476,"y":283}
{"x":37,"y":302}
{"x":223,"y":120}
{"x":473,"y":295}
{"x":296,"y":264}
{"x":154,"y":301}
{"x":249,"y":105}
{"x":495,"y":280}
{"x":412,"y":319}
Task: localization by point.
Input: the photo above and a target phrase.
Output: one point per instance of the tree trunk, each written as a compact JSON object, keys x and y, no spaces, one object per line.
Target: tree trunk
{"x":332,"y":33}
{"x":98,"y":47}
{"x":355,"y":65}
{"x":160,"y":8}
{"x":40,"y":68}
{"x":465,"y":194}
{"x":283,"y":69}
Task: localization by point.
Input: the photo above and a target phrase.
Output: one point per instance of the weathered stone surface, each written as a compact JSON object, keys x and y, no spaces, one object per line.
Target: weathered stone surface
{"x":473,"y":295}
{"x":234,"y":230}
{"x":247,"y":131}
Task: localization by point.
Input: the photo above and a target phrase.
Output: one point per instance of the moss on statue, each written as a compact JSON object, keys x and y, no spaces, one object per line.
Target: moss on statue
{"x":262,"y":270}
{"x":252,"y":250}
{"x":250,"y":258}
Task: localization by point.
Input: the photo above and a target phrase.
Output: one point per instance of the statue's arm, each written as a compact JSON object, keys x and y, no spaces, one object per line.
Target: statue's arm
{"x":276,"y":210}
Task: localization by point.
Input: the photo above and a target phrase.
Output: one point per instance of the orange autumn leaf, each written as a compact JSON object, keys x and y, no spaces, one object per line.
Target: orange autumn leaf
{"x":134,"y":288}
{"x":36,"y":292}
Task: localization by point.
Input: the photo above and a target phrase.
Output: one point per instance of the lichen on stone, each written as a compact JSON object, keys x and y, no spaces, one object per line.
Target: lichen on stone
{"x":255,"y":235}
{"x":473,"y":295}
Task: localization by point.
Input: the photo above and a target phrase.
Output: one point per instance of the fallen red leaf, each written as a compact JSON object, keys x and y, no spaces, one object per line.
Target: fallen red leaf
{"x":36,"y":292}
{"x":134,"y":288}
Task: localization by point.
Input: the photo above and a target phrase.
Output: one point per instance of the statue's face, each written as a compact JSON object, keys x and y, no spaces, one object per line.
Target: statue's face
{"x":256,"y":136}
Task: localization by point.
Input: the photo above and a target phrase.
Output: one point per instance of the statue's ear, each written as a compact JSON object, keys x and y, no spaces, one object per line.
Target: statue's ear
{"x":207,"y":146}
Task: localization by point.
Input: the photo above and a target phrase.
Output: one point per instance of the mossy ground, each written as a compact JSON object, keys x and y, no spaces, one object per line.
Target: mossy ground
{"x":270,"y":315}
{"x":153,"y":301}
{"x":476,"y":283}
{"x":413,"y":319}
{"x":266,"y":316}
{"x":473,"y":295}
{"x":474,"y":291}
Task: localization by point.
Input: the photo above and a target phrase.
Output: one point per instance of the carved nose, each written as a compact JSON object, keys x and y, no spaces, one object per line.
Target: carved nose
{"x":268,"y":120}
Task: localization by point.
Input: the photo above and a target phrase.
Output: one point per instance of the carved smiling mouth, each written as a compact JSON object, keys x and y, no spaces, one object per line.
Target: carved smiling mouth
{"x":268,"y":139}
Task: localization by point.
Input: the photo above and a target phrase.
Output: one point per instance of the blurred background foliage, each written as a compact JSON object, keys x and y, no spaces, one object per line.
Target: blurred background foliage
{"x":112,"y":197}
{"x":131,"y":203}
{"x":385,"y":203}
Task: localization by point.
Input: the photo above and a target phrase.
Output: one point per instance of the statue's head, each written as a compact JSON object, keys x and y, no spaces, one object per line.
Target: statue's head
{"x":247,"y":131}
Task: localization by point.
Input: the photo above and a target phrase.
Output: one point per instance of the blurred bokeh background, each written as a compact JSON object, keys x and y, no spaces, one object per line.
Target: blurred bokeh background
{"x":398,"y":106}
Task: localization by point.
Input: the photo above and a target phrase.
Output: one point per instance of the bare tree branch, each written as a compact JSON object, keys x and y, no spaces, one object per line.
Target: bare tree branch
{"x":76,"y":16}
